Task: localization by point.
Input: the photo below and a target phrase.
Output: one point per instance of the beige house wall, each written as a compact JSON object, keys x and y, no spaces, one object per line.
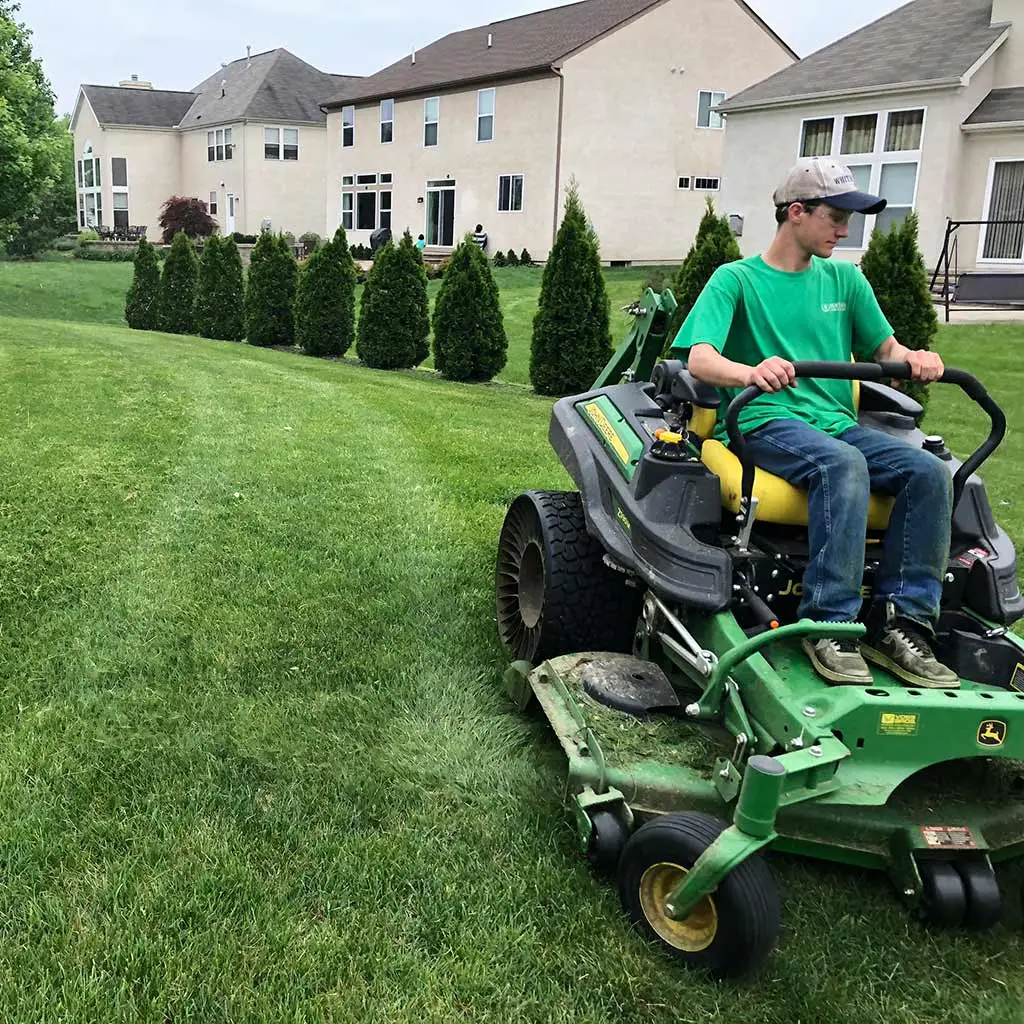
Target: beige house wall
{"x":525,"y":138}
{"x":763,"y":144}
{"x":152,"y":157}
{"x":166,"y":162}
{"x":288,"y":193}
{"x":630,"y":120}
{"x":201,"y":176}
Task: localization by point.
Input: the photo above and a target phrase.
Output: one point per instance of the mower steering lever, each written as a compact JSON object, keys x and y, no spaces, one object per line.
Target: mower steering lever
{"x":968,"y":383}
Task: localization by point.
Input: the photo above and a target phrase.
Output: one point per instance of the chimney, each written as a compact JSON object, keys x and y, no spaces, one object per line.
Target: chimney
{"x":134,"y":83}
{"x":490,"y":40}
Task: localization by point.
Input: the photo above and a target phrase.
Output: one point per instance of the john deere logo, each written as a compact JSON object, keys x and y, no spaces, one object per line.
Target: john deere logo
{"x":992,"y":733}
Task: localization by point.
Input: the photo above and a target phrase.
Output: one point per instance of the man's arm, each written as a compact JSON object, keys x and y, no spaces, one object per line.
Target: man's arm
{"x":711,"y":367}
{"x":925,"y":366}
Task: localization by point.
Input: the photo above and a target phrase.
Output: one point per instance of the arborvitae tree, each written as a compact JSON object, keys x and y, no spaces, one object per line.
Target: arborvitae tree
{"x":325,"y":300}
{"x":895,"y":268}
{"x":571,"y":333}
{"x":499,"y":259}
{"x":525,"y":259}
{"x":220,"y":305}
{"x":393,"y":319}
{"x":270,"y":293}
{"x":178,"y":287}
{"x":469,"y":330}
{"x":142,"y":303}
{"x":232,"y":282}
{"x":415,"y":273}
{"x":511,"y":258}
{"x":714,"y":245}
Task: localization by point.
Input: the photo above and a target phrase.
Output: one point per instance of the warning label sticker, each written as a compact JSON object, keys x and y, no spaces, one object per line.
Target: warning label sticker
{"x":893,"y":724}
{"x":1017,"y":680}
{"x":948,"y":837}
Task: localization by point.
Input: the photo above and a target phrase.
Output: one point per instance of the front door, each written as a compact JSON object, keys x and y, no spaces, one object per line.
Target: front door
{"x":229,"y":223}
{"x":441,"y":215}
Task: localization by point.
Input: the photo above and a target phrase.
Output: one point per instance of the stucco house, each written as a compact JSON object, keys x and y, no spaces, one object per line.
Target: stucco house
{"x":489,"y":124}
{"x":250,"y":141}
{"x":926,"y":106}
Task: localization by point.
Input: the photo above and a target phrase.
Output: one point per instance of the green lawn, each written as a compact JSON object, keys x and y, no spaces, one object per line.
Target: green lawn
{"x":92,"y":292}
{"x":259,"y":765}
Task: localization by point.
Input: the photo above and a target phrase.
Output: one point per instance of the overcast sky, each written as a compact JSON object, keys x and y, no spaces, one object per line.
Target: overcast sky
{"x":176,"y":45}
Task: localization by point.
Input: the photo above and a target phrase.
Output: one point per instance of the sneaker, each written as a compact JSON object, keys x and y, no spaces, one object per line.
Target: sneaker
{"x":903,"y":649}
{"x":838,"y":661}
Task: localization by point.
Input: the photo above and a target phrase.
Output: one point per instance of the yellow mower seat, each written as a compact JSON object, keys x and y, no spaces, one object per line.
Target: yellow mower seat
{"x":778,"y":501}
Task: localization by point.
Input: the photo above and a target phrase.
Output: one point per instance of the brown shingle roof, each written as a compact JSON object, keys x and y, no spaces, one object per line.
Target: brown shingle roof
{"x":529,"y":43}
{"x":148,"y":108}
{"x":999,"y":107}
{"x":926,"y":41}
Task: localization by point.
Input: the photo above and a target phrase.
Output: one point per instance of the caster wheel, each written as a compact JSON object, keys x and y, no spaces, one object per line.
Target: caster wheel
{"x":732,"y":931}
{"x":984,"y":903}
{"x":944,"y":900}
{"x":607,"y":841}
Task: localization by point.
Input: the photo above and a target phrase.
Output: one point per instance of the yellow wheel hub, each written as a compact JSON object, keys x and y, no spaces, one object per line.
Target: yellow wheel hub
{"x":692,"y":934}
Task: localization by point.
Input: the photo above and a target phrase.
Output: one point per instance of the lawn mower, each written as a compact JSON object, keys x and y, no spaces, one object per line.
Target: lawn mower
{"x":652,"y":616}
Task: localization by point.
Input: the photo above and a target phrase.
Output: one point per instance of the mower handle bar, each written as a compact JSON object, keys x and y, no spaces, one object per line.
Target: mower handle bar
{"x":971,"y":386}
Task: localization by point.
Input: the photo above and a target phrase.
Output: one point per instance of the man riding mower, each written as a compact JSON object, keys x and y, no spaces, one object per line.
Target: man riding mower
{"x":688,"y":621}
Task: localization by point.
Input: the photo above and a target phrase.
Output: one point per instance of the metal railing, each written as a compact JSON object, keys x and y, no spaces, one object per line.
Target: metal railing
{"x":950,"y":252}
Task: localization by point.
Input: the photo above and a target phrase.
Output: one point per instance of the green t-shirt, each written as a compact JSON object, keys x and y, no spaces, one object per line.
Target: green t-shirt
{"x":749,"y":311}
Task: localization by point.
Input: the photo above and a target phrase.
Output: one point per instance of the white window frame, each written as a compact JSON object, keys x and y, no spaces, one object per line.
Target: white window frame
{"x":492,"y":115}
{"x":680,"y":178}
{"x":881,"y":126}
{"x":804,"y":121}
{"x":717,"y":187}
{"x":352,"y":188}
{"x":221,"y":148}
{"x":348,"y":126}
{"x":281,"y":129}
{"x":711,"y":93}
{"x":877,"y":159}
{"x":522,"y":192}
{"x":213,"y":205}
{"x":389,"y":121}
{"x":427,"y":122}
{"x":95,"y":190}
{"x":983,"y":234}
{"x":120,"y":191}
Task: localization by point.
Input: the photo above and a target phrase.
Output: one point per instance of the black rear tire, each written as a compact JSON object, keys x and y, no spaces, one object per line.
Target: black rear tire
{"x":555,"y":595}
{"x":731,"y":932}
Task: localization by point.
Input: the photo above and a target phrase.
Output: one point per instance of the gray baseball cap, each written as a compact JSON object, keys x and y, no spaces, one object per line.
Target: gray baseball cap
{"x":827,"y":180}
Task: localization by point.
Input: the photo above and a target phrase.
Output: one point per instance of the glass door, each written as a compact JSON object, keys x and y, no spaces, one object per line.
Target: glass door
{"x":441,"y":215}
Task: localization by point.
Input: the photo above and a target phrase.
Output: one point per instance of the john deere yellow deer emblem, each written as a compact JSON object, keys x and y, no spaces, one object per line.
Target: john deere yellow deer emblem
{"x":992,"y":733}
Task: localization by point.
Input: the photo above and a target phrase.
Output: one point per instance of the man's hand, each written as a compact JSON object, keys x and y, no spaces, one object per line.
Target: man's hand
{"x":777,"y":373}
{"x":925,"y":366}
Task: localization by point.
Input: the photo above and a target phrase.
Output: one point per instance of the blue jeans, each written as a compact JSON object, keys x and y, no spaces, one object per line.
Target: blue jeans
{"x":839,"y":474}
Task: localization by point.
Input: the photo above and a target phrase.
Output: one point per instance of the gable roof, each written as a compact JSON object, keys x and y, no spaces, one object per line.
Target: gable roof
{"x":273,"y":86}
{"x":143,"y":108}
{"x":531,"y":43}
{"x":925,"y":42}
{"x":1000,"y":106}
